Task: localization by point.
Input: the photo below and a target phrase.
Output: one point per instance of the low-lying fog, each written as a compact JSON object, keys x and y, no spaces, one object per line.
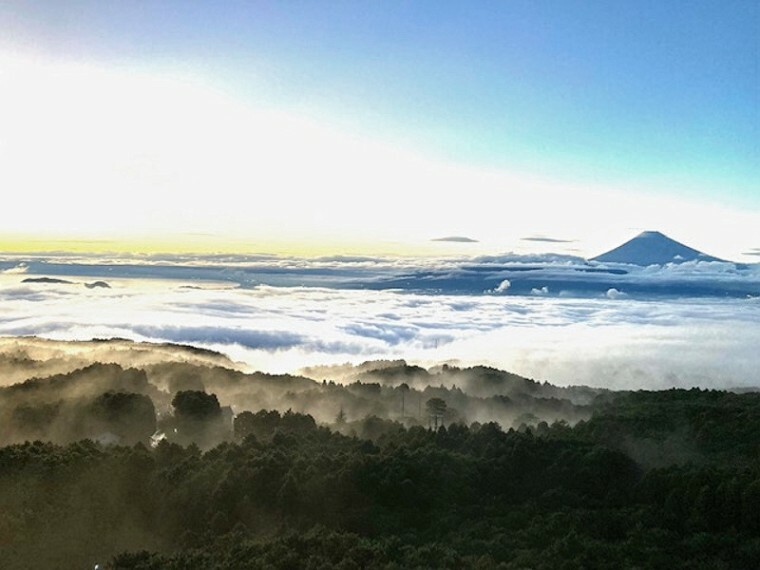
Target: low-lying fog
{"x":605,"y":342}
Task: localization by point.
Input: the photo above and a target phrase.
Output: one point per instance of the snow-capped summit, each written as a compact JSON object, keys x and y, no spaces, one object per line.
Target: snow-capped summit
{"x":653,"y":248}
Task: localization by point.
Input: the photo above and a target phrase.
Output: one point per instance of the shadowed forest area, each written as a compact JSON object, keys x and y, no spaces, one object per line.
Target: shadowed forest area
{"x":136,"y":456}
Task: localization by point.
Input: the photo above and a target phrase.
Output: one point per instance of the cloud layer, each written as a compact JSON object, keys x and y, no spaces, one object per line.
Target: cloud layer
{"x":604,"y":341}
{"x":547,"y":274}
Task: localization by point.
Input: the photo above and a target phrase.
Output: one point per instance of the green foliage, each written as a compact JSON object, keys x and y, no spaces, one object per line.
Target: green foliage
{"x":649,"y":480}
{"x":436,"y":409}
{"x":130,"y":417}
{"x":678,"y":426}
{"x":196,"y":405}
{"x":197,"y":419}
{"x":291,"y":494}
{"x":264,"y":424}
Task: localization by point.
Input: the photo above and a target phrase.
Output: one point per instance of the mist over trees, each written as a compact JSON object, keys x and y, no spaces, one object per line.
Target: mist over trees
{"x":180,"y":460}
{"x":195,"y":395}
{"x":436,"y":409}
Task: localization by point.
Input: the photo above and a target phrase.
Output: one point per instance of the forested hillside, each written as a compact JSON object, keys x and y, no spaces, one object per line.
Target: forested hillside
{"x":186,"y":465}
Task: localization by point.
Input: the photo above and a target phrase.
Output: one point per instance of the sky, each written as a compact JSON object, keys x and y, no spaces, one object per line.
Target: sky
{"x":377,"y":127}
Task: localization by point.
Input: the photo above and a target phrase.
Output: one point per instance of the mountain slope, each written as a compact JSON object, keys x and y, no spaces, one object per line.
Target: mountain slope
{"x":653,"y":248}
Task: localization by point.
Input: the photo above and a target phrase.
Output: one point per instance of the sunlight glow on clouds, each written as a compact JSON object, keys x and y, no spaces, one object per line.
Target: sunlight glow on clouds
{"x":19,"y":269}
{"x":602,"y":342}
{"x":90,"y":153}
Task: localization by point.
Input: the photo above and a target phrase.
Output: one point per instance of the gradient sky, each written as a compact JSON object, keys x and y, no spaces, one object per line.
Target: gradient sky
{"x":358,"y":126}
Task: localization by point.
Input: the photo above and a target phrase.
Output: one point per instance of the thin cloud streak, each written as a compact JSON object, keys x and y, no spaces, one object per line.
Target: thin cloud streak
{"x":547,"y":239}
{"x":456,"y":239}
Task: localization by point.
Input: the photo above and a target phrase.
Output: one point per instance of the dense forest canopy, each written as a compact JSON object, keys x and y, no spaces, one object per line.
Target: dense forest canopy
{"x":174,"y":458}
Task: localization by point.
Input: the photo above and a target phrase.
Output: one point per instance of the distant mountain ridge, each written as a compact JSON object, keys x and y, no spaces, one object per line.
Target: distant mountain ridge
{"x":653,"y":248}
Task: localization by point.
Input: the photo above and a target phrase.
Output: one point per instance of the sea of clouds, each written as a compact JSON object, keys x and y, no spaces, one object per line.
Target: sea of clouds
{"x":610,"y":340}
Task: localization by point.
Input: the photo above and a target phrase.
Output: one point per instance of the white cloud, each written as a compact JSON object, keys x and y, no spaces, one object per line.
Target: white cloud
{"x":598,"y":341}
{"x":502,"y":287}
{"x":19,"y":269}
{"x":613,"y":293}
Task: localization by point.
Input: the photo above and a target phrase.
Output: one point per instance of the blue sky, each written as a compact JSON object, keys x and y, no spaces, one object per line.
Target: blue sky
{"x":652,"y":99}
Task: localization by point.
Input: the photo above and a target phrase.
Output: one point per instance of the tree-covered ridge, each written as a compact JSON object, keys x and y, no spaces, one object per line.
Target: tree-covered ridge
{"x":60,"y":407}
{"x":292,"y":494}
{"x":678,"y":426}
{"x":187,"y":464}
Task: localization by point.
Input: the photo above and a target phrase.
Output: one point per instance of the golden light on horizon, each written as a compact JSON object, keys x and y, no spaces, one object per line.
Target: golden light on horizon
{"x":132,"y":160}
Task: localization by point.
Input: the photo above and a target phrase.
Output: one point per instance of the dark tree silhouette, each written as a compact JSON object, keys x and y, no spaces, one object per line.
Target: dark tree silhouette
{"x":404,"y":388}
{"x":131,"y":417}
{"x":436,"y":408}
{"x":195,"y":404}
{"x":197,"y":418}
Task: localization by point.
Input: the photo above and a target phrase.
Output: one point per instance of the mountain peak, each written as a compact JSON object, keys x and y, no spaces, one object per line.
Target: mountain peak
{"x":653,"y":248}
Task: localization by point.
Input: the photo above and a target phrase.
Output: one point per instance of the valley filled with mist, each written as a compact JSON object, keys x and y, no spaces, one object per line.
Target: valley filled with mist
{"x":134,"y":455}
{"x":513,"y":411}
{"x":563,"y":319}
